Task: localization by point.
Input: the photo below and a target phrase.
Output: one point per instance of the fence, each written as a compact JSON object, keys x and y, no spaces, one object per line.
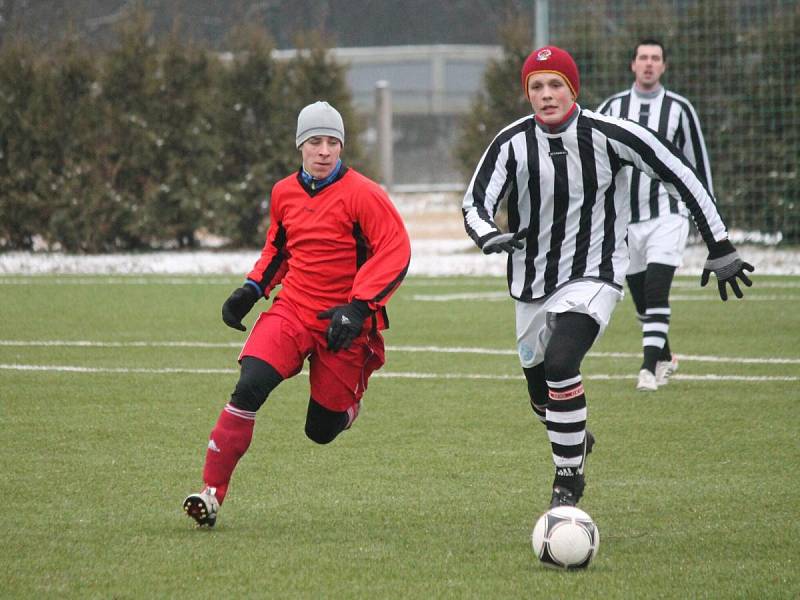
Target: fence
{"x":737,"y":61}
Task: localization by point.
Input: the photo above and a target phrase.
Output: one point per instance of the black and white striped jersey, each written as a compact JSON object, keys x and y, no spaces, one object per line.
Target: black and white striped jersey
{"x":674,"y":117}
{"x":561,"y":186}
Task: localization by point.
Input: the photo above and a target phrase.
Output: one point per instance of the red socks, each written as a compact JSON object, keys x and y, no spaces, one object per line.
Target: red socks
{"x":227,"y":443}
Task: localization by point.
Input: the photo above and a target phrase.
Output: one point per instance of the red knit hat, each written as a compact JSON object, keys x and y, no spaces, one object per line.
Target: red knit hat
{"x":551,"y":59}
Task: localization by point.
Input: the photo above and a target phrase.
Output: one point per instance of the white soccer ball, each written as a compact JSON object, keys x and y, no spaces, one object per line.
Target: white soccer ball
{"x":565,"y":537}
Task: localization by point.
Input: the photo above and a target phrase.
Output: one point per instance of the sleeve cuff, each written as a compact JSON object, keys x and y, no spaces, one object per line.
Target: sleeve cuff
{"x":256,"y":288}
{"x":721,"y":248}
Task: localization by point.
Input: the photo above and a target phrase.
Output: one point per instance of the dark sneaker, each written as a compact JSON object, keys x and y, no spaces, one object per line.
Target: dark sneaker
{"x":202,"y":507}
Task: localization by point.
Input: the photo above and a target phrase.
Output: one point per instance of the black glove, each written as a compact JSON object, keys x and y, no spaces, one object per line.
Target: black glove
{"x":506,"y":242}
{"x":347,"y":320}
{"x":727,"y":266}
{"x":238,"y":305}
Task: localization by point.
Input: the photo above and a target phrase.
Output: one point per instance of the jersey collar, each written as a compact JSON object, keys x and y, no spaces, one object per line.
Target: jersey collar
{"x":648,"y":95}
{"x":313,"y":186}
{"x":562,"y":125}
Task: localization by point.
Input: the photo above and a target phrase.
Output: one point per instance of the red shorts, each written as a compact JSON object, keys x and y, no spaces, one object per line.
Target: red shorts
{"x":338,"y":379}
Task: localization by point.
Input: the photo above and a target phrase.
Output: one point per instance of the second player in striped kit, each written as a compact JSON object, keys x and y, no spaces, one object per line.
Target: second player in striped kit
{"x":659,"y":221}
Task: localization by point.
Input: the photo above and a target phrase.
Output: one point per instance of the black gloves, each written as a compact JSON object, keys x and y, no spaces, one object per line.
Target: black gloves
{"x":727,"y":266}
{"x":506,"y":242}
{"x":347,"y":320}
{"x":238,"y":305}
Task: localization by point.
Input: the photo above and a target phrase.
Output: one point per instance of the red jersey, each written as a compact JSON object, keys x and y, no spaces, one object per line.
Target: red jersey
{"x":327,"y":247}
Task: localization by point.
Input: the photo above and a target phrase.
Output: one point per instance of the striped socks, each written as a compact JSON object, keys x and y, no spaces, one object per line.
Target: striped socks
{"x":566,"y":421}
{"x":655,"y":326}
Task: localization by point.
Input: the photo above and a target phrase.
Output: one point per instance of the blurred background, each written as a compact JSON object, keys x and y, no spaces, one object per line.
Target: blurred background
{"x":129,"y":125}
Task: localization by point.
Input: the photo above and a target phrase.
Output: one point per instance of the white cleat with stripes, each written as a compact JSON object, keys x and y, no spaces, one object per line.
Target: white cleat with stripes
{"x":665,"y":369}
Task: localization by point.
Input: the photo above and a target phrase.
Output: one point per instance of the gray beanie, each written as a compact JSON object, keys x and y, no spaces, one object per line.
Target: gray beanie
{"x":319,"y":118}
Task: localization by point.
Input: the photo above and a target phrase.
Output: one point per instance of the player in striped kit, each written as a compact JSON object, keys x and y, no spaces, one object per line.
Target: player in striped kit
{"x":659,"y":221}
{"x":559,"y":170}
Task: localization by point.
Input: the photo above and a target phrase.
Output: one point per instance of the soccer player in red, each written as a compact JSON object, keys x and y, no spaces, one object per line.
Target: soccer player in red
{"x":339,"y":250}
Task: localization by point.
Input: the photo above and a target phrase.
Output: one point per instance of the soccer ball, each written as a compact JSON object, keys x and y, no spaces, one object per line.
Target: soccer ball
{"x":565,"y":537}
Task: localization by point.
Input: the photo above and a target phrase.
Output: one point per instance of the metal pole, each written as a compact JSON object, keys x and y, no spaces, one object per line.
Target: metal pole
{"x":438,"y":89}
{"x":383,"y":110}
{"x":542,"y":35}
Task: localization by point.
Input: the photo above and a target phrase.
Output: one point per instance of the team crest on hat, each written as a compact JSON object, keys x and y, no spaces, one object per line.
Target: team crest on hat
{"x":544,"y":54}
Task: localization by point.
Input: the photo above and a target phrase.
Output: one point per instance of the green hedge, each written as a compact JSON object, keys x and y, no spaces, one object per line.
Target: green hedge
{"x":152,"y":142}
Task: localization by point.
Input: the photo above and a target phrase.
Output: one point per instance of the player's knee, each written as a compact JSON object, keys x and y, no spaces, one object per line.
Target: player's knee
{"x":323,"y":424}
{"x":321,"y":434}
{"x":562,"y":361}
{"x":537,"y":387}
{"x":256,"y":380}
{"x":573,"y":335}
{"x":560,"y":365}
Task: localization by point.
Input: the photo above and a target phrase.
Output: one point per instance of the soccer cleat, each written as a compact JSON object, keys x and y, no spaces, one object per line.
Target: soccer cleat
{"x":202,"y":507}
{"x":665,"y":369}
{"x":569,"y":482}
{"x":563,"y":496}
{"x":647,"y":381}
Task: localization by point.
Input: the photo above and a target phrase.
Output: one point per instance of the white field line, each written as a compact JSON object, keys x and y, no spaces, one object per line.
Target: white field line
{"x":132,"y":344}
{"x":759,"y":284}
{"x":749,"y":296}
{"x":77,"y":369}
{"x":705,"y":296}
{"x":431,"y":349}
{"x":391,"y":375}
{"x":491,"y":296}
{"x":682,"y":357}
{"x":121,"y":280}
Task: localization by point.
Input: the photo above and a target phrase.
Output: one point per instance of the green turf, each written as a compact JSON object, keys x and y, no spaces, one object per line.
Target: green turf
{"x":434,"y":491}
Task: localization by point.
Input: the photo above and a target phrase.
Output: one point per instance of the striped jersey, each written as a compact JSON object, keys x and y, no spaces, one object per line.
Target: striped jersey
{"x":674,"y":117}
{"x":562,"y":185}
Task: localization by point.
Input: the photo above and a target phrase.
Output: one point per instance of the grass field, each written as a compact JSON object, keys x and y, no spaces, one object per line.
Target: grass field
{"x":109,"y":388}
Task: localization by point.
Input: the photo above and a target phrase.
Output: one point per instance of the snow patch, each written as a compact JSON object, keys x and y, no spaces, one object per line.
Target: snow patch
{"x":430,"y":257}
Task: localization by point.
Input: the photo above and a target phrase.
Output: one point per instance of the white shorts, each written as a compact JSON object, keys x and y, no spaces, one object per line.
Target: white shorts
{"x":535,"y":320}
{"x":660,"y":240}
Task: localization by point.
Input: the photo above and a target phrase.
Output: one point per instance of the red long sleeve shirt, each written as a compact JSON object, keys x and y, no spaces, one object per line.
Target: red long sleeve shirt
{"x":345,"y":241}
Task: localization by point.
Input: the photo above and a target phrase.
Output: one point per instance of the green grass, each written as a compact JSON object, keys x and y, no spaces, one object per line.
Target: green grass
{"x":435,"y":490}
